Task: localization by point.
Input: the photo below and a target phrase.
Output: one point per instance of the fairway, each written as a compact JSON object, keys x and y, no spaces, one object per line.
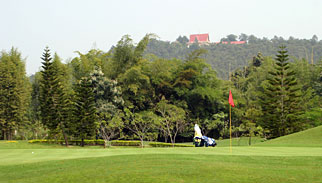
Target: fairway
{"x":244,"y":164}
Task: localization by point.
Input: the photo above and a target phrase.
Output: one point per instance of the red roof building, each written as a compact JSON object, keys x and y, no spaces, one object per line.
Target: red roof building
{"x":237,"y":42}
{"x":201,"y":38}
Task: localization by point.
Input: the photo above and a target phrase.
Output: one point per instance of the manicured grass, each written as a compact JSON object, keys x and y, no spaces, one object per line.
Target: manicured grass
{"x":241,"y":141}
{"x":169,"y":168}
{"x":22,"y":156}
{"x":23,"y":144}
{"x":23,"y":162}
{"x":308,"y":138}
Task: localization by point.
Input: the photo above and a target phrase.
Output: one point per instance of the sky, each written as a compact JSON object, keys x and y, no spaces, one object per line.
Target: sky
{"x":67,"y":26}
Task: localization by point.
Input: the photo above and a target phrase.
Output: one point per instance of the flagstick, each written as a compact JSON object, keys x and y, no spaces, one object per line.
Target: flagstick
{"x":230,"y":128}
{"x":230,"y":150}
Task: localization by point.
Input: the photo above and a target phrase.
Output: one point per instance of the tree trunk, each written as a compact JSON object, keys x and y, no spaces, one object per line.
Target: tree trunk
{"x":172,"y":141}
{"x":250,"y":139}
{"x":142,"y":142}
{"x":64,"y":134}
{"x":165,"y":138}
{"x":82,"y":143}
{"x":106,"y":137}
{"x":65,"y":138}
{"x":106,"y":142}
{"x":2,"y":135}
{"x":171,"y":138}
{"x":8,"y":135}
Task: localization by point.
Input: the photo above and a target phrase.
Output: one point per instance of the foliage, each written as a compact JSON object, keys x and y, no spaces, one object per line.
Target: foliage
{"x":71,"y":142}
{"x":220,"y":56}
{"x":155,"y":89}
{"x":280,"y":102}
{"x":136,"y":88}
{"x":142,"y":124}
{"x":125,"y":143}
{"x":14,"y":94}
{"x":160,"y":144}
{"x":108,"y":101}
{"x":54,"y":99}
{"x":172,"y":119}
{"x":215,"y":126}
{"x":34,"y":113}
{"x":84,"y":64}
{"x":47,"y":84}
{"x":126,"y":55}
{"x":85,"y":111}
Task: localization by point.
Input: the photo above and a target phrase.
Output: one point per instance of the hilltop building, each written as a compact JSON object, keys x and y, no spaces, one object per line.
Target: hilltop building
{"x":231,"y":42}
{"x":201,"y":38}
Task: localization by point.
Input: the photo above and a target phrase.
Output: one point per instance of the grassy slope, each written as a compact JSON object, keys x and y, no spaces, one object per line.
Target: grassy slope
{"x":308,"y":138}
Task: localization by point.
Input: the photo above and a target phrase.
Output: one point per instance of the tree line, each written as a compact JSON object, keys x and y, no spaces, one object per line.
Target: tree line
{"x":125,"y":93}
{"x":226,"y":57}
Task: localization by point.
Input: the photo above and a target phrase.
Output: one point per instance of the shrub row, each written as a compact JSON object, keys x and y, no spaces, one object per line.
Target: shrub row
{"x":161,"y":144}
{"x":88,"y":142}
{"x":70,"y":142}
{"x":113,"y":143}
{"x":125,"y":143}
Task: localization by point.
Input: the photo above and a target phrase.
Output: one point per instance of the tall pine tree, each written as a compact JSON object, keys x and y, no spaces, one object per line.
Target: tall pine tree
{"x":54,"y":100}
{"x":46,"y":91}
{"x":84,"y":112}
{"x":280,"y":102}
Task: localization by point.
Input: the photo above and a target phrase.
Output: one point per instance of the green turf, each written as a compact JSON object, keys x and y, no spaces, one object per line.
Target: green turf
{"x":22,"y":156}
{"x":23,"y":162}
{"x":308,"y":138}
{"x":168,"y":167}
{"x":23,"y":144}
{"x":240,"y":141}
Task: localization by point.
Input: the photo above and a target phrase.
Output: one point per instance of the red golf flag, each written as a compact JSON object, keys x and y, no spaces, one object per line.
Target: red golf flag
{"x":230,"y":100}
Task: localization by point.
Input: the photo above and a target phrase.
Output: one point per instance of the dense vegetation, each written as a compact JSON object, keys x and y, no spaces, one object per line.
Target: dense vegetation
{"x":222,"y":56}
{"x":126,"y":93}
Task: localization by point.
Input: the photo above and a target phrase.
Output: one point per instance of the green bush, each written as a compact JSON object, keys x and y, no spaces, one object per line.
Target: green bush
{"x":40,"y":141}
{"x":88,"y":142}
{"x":71,"y":142}
{"x":125,"y":143}
{"x":161,"y":144}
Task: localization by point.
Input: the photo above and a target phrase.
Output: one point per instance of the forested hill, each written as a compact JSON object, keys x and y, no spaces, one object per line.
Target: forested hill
{"x":219,"y":56}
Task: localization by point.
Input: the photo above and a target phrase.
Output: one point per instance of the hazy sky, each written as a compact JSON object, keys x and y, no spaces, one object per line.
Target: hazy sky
{"x":79,"y":25}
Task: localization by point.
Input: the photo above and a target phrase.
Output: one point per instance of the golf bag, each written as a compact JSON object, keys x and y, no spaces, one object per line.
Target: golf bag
{"x":199,"y":140}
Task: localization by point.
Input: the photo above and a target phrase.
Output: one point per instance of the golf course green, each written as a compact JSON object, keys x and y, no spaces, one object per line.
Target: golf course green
{"x":299,"y":160}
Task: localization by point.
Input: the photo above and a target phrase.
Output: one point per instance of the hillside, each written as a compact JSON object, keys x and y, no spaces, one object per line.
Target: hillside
{"x":220,"y":56}
{"x":308,"y":138}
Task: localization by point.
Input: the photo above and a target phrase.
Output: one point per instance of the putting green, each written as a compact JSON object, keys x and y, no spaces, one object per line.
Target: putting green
{"x":22,"y":156}
{"x":163,"y":165}
{"x":22,"y":162}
